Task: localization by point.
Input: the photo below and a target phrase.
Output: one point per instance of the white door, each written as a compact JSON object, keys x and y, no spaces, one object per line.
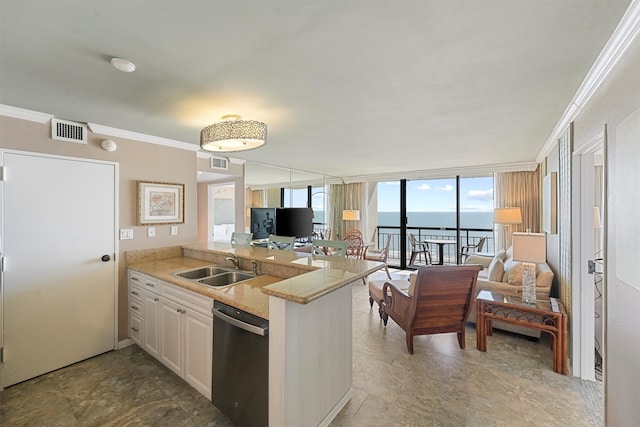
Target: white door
{"x":58,"y":222}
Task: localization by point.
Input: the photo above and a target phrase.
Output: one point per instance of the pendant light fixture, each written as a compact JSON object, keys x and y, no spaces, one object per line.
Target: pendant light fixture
{"x":233,"y":134}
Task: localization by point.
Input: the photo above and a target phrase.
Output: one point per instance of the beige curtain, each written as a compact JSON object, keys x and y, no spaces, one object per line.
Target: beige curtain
{"x":522,"y":190}
{"x":346,"y":196}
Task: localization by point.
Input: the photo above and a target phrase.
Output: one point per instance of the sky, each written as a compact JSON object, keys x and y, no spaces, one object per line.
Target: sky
{"x":438,"y":195}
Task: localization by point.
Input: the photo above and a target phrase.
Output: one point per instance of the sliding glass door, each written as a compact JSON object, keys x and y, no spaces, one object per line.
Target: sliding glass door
{"x":442,"y":215}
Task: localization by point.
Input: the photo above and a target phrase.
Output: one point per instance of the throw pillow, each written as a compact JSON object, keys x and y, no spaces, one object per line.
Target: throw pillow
{"x":502,"y":254}
{"x":513,"y":271}
{"x":496,"y":270}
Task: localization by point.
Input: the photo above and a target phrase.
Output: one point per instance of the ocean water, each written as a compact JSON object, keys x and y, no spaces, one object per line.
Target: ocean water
{"x":429,"y":219}
{"x":438,"y":219}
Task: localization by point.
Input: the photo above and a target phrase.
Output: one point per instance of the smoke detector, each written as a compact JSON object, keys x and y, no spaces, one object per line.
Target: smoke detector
{"x":123,"y":65}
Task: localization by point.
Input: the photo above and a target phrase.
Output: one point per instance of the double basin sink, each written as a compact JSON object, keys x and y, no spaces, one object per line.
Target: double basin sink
{"x":216,"y":276}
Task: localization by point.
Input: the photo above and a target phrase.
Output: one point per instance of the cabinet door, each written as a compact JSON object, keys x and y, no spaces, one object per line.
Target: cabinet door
{"x":151,"y":323}
{"x":198,"y":351}
{"x":170,"y":328}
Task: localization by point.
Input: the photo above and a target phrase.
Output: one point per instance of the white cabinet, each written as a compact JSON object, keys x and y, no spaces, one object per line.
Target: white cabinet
{"x":171,"y":338}
{"x":175,"y":326}
{"x":151,"y":304}
{"x":136,"y":310}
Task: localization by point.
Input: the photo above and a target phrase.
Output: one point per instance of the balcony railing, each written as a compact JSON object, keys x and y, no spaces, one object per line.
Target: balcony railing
{"x":468,"y":236}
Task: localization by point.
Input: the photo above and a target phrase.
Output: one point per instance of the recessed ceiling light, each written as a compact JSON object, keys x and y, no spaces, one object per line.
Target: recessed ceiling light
{"x":123,"y":65}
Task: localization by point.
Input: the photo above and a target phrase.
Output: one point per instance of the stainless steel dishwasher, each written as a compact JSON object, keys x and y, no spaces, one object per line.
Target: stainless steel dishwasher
{"x":240,"y":365}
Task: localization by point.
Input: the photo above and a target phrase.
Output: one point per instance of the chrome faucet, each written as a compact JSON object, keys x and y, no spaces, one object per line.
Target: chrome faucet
{"x":254,"y":266}
{"x":234,"y":261}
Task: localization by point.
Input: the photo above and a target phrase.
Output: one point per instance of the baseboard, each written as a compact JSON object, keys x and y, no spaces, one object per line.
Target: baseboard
{"x":337,"y":408}
{"x":124,"y":343}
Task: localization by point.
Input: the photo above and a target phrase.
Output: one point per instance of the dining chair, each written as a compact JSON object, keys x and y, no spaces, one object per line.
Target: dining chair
{"x":242,"y":239}
{"x":418,"y":248}
{"x":329,"y":248}
{"x":439,"y":301}
{"x":467,"y":250}
{"x":380,"y":255}
{"x":284,"y":243}
{"x":355,"y":246}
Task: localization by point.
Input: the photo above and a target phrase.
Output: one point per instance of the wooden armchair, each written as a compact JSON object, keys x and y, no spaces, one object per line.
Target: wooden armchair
{"x":439,"y":302}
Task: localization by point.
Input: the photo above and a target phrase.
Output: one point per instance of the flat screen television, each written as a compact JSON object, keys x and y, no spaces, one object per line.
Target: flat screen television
{"x":297,"y":222}
{"x":263,"y":222}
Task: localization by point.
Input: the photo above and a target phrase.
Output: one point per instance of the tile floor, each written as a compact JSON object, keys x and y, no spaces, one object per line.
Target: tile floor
{"x":440,"y":385}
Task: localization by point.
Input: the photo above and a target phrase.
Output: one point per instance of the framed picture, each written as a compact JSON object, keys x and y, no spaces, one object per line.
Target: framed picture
{"x":160,"y":203}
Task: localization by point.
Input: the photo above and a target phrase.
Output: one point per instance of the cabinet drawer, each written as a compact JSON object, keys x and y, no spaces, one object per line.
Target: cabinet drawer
{"x":135,"y":293}
{"x":135,"y":328}
{"x":136,"y":306}
{"x":195,"y":301}
{"x":145,"y":282}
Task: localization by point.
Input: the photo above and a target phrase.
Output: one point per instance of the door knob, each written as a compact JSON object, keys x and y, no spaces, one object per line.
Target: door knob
{"x":105,"y":258}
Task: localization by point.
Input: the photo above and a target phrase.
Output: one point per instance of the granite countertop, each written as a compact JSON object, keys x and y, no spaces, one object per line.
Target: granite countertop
{"x":313,"y":276}
{"x":246,"y":295}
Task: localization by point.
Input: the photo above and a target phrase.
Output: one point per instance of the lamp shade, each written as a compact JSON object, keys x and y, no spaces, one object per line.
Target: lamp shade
{"x":350,"y":215}
{"x":507,"y":216}
{"x":233,"y":134}
{"x":529,"y":247}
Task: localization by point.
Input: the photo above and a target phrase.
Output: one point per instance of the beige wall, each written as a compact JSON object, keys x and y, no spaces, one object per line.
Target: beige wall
{"x":137,"y":161}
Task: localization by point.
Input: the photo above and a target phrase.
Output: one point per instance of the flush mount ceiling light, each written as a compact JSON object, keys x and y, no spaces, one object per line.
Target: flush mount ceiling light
{"x":233,"y":134}
{"x":123,"y":65}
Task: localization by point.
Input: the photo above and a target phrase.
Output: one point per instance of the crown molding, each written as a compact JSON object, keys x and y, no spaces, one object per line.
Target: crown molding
{"x":627,"y":29}
{"x":142,"y":137}
{"x":21,"y":113}
{"x":465,"y":172}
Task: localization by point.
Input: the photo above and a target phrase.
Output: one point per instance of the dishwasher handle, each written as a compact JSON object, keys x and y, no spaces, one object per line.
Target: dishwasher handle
{"x":257,"y":330}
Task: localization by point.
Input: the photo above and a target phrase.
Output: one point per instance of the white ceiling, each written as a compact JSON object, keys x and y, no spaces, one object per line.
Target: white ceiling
{"x":346,"y":87}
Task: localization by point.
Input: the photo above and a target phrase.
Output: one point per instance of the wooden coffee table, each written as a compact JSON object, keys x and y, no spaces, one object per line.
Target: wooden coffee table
{"x":545,"y":315}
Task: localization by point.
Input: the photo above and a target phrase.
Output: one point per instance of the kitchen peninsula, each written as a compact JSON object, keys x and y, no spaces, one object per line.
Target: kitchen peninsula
{"x":308,"y":306}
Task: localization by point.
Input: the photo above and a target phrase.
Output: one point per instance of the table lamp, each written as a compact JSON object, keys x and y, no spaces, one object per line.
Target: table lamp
{"x":530,"y":248}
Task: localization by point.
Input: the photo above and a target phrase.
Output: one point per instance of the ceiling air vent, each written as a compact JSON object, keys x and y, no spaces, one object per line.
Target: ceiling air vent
{"x":219,"y":163}
{"x":65,"y":130}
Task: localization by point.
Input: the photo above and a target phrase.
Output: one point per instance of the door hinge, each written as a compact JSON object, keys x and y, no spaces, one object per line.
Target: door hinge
{"x":1,"y":354}
{"x":1,"y":173}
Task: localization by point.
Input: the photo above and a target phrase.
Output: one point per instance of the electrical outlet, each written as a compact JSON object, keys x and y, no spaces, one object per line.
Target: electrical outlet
{"x":151,"y":232}
{"x":126,"y":234}
{"x":174,"y":230}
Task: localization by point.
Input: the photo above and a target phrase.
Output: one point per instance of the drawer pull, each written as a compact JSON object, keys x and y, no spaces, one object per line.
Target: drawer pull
{"x":150,"y":284}
{"x":135,"y":307}
{"x":135,"y":279}
{"x":156,"y":299}
{"x":135,"y":293}
{"x":134,"y":329}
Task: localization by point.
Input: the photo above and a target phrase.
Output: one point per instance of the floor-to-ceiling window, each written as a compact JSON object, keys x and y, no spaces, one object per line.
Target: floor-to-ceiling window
{"x":435,"y":208}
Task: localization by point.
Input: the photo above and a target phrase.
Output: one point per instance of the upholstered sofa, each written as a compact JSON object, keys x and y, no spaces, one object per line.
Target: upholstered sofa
{"x":504,"y":275}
